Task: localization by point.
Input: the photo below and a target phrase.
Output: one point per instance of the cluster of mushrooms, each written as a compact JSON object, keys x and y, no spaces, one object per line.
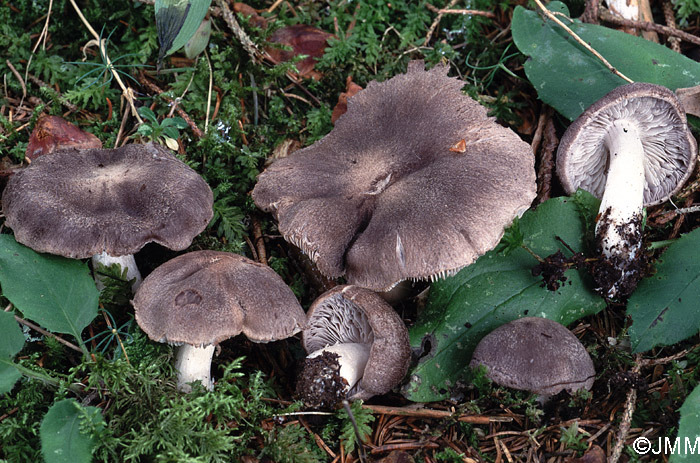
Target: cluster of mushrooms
{"x":429,"y":186}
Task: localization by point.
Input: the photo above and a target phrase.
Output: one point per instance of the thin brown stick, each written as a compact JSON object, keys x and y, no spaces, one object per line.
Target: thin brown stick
{"x":143,"y":80}
{"x":19,"y":77}
{"x":487,"y":14}
{"x":435,"y":23}
{"x":259,"y":241}
{"x":49,"y":334}
{"x":436,"y":414}
{"x":578,"y":39}
{"x":607,"y":17}
{"x":670,"y":18}
{"x":626,"y":421}
{"x":240,"y":34}
{"x":40,"y":83}
{"x":404,"y":446}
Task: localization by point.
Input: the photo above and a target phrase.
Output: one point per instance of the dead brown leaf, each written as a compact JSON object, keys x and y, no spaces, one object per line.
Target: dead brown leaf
{"x":52,"y":133}
{"x":303,"y":40}
{"x":351,"y":88}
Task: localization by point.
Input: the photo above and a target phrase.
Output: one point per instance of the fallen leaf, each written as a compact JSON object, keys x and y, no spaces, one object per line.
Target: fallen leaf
{"x":52,"y":133}
{"x":459,"y":147}
{"x":351,"y":89}
{"x":253,"y":17}
{"x":303,"y":40}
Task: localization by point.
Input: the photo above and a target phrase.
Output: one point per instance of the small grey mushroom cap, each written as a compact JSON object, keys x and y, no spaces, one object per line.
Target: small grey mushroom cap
{"x":537,"y":355}
{"x":205,"y":297}
{"x":669,"y":147}
{"x":351,"y":314}
{"x":414,"y":181}
{"x":78,"y":203}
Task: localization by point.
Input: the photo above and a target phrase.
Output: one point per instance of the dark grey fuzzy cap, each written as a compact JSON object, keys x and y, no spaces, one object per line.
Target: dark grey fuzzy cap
{"x":205,"y":297}
{"x":78,"y":203}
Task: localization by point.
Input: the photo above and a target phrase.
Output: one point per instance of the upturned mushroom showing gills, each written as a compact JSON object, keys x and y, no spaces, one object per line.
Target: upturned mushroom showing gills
{"x":202,"y":298}
{"x":632,"y":148}
{"x":415,"y":181}
{"x":536,"y":355}
{"x":358,"y":348}
{"x":107,"y":203}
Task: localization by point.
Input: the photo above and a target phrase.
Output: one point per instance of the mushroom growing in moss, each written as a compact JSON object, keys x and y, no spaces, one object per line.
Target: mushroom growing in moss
{"x":632,"y":148}
{"x":414,"y":182}
{"x":107,"y":203}
{"x":202,"y":298}
{"x":536,"y":355}
{"x":358,"y":348}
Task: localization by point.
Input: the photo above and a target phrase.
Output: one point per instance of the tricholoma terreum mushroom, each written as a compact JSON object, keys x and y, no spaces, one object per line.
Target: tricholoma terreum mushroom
{"x":107,"y":203}
{"x":202,"y":298}
{"x":632,"y":148}
{"x":414,"y":182}
{"x":536,"y":355}
{"x":358,"y":348}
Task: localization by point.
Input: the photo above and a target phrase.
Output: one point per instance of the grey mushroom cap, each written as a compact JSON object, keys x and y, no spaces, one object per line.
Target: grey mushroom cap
{"x":205,"y":297}
{"x":537,"y":355}
{"x":78,"y":203}
{"x":669,"y":147}
{"x":351,"y":314}
{"x":415,"y":181}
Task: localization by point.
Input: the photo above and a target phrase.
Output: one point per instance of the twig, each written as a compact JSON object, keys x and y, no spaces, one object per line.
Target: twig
{"x":487,"y":14}
{"x":436,"y":22}
{"x":578,"y":39}
{"x":240,"y":34}
{"x":626,"y":422}
{"x":259,"y":241}
{"x":143,"y":80}
{"x":436,"y":414}
{"x":606,"y":16}
{"x":127,"y":92}
{"x":209,"y":92}
{"x":49,"y":334}
{"x":665,"y":360}
{"x":40,"y":83}
{"x":19,"y":77}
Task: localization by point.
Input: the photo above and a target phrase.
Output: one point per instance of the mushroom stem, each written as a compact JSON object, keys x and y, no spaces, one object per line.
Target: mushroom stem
{"x":352,"y":358}
{"x":126,"y":262}
{"x":194,"y":364}
{"x":618,"y":231}
{"x":329,"y":374}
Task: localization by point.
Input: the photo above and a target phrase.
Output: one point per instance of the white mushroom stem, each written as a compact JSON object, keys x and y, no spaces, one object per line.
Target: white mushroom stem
{"x":623,"y":200}
{"x":126,"y":262}
{"x":194,"y":364}
{"x":352,"y":358}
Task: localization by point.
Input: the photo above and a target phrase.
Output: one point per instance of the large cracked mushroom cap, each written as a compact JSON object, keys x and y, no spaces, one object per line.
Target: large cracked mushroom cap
{"x":368,"y":338}
{"x":536,"y":355}
{"x":414,"y":181}
{"x":78,"y":203}
{"x":202,"y":298}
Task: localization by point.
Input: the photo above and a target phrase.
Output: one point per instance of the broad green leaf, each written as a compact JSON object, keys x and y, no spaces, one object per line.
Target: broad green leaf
{"x":664,"y":307}
{"x":56,"y":292}
{"x":65,"y":432}
{"x":569,"y":78}
{"x":199,"y":41}
{"x":11,"y":342}
{"x":177,"y":21}
{"x":494,"y":290}
{"x":688,"y":430}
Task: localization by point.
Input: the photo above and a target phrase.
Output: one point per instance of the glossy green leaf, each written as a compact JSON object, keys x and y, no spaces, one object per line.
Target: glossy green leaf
{"x":569,"y":78}
{"x":66,"y":432}
{"x":664,"y":307}
{"x":56,"y":292}
{"x":11,"y":342}
{"x":688,"y":431}
{"x":177,"y":21}
{"x":496,"y":289}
